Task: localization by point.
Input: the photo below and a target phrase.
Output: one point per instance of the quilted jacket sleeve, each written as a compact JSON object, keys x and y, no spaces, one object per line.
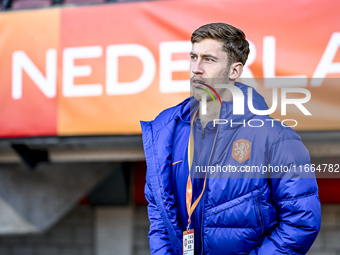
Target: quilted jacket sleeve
{"x":296,"y":197}
{"x":158,"y":236}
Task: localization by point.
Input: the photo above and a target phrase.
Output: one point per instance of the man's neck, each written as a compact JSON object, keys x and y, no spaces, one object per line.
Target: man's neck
{"x":213,"y":110}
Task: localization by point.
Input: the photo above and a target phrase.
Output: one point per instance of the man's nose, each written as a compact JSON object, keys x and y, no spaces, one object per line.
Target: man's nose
{"x":197,"y":67}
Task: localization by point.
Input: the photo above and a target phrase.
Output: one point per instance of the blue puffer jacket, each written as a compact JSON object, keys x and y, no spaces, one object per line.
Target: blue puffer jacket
{"x":276,"y":215}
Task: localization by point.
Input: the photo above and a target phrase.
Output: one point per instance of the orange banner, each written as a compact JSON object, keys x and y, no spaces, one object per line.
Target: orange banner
{"x":99,"y":70}
{"x":28,"y":106}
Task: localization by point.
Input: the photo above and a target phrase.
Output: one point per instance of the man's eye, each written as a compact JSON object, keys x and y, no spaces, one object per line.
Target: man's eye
{"x":208,"y":59}
{"x":193,"y":57}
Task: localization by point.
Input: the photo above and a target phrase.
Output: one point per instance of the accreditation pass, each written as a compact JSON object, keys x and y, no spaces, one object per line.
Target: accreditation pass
{"x":188,"y":242}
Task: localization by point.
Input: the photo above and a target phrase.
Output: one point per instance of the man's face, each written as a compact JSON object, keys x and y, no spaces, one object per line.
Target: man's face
{"x":209,"y":65}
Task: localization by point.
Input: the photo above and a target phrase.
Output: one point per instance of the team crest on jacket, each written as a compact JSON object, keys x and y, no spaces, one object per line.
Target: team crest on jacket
{"x":241,"y":150}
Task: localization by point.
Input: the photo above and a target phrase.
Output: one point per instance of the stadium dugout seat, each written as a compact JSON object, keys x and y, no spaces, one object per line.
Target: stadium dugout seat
{"x":84,"y":1}
{"x":28,"y":4}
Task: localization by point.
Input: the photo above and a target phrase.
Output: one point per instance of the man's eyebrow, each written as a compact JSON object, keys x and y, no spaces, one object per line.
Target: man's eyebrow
{"x":208,"y":56}
{"x":204,"y":55}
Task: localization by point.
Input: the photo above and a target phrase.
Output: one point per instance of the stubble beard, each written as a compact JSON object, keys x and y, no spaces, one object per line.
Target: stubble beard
{"x":197,"y":93}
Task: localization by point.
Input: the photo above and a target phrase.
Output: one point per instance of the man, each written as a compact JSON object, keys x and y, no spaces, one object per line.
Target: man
{"x":279,"y":214}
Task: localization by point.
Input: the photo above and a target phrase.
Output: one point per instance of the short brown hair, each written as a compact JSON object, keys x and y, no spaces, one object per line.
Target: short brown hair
{"x":233,"y":39}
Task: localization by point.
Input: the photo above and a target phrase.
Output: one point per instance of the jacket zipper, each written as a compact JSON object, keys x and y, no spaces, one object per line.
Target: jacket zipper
{"x":202,"y":221}
{"x":205,"y":195}
{"x":197,"y":185}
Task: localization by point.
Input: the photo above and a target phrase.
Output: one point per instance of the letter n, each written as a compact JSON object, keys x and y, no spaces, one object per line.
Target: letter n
{"x":238,"y":98}
{"x":20,"y":62}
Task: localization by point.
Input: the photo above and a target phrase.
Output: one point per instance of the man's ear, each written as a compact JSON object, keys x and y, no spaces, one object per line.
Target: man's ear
{"x":235,"y":70}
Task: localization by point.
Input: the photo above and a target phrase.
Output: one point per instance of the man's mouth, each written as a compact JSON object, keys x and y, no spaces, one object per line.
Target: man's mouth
{"x":198,"y":83}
